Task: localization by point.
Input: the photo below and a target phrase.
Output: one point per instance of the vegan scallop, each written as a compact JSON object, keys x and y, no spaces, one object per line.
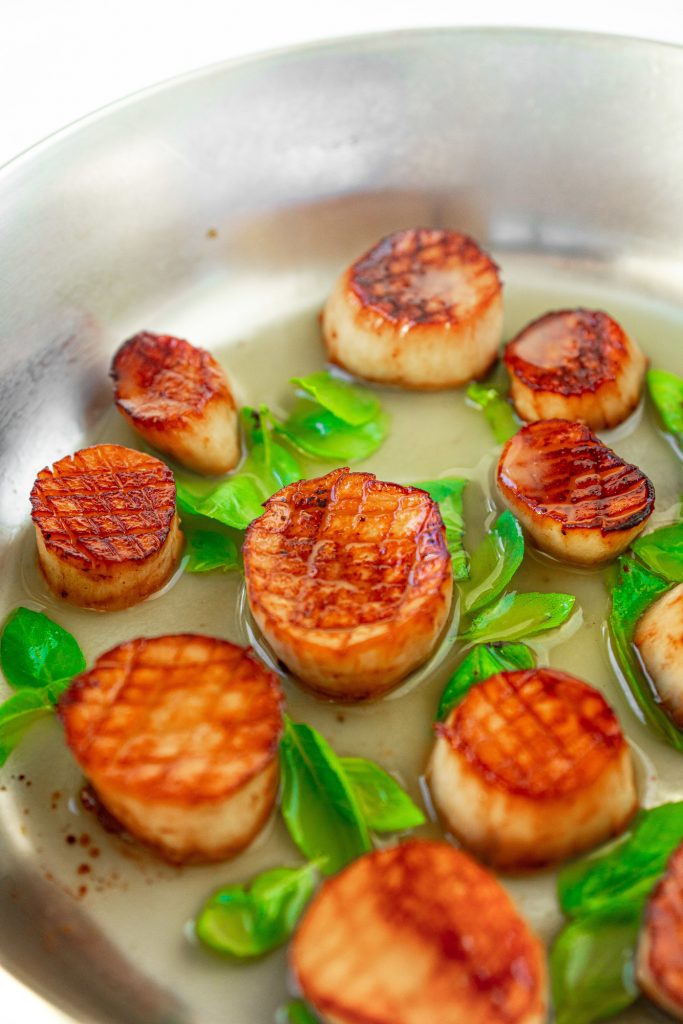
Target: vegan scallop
{"x":532,"y":768}
{"x":575,"y":364}
{"x":106,"y":525}
{"x":350,"y":580}
{"x":177,"y":397}
{"x":418,"y":934}
{"x":178,"y":736}
{"x":422,"y":309}
{"x":659,"y":960}
{"x":579,"y":501}
{"x":659,"y":639}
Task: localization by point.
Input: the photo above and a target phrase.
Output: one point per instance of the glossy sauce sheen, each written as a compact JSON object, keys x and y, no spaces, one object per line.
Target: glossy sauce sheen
{"x":431,"y":434}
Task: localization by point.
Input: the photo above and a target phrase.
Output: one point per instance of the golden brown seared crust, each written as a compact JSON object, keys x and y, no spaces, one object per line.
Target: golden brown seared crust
{"x":107,"y":530}
{"x":577,"y":497}
{"x":181,"y":718}
{"x":418,"y":934}
{"x":539,"y":733}
{"x":532,"y":768}
{"x":660,"y":952}
{"x":576,"y":364}
{"x":178,"y":736}
{"x":177,"y":397}
{"x":421,"y":309}
{"x":350,"y":580}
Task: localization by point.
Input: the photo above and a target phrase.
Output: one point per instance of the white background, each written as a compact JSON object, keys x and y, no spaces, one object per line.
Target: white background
{"x":61,"y":59}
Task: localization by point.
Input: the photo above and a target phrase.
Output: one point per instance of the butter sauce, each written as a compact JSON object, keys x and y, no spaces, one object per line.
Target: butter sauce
{"x":432,"y":435}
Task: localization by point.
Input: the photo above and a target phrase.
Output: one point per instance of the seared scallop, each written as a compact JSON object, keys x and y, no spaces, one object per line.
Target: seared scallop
{"x":579,"y":501}
{"x":575,"y":364}
{"x":350,"y":580}
{"x":177,"y":397}
{"x":422,"y":309}
{"x":418,"y":934}
{"x":178,"y":736}
{"x":659,"y":961}
{"x":532,"y":768}
{"x":659,"y":638}
{"x":106,"y":526}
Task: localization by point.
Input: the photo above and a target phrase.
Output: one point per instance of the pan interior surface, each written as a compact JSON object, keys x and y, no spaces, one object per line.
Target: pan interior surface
{"x":221,"y":208}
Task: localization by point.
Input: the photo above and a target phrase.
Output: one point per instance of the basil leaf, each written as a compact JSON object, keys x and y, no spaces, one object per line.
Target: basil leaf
{"x":318,"y":432}
{"x":296,"y":1012}
{"x":591,"y":966}
{"x":635,"y":590}
{"x":666,"y":391}
{"x":209,"y":550}
{"x":384,"y":805}
{"x":628,"y":869}
{"x":482,"y":661}
{"x":18,"y":714}
{"x":249,"y":920}
{"x":35,"y":651}
{"x":662,"y":551}
{"x":516,"y":616}
{"x":238,"y":500}
{"x":348,"y":402}
{"x":494,"y":562}
{"x":498,"y":412}
{"x":449,"y":495}
{"x":318,"y":803}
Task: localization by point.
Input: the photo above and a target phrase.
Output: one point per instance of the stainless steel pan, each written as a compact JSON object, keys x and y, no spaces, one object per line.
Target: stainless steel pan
{"x":568,"y":147}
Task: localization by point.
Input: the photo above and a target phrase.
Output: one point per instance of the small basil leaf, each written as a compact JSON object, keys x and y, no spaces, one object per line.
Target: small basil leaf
{"x":516,"y":616}
{"x":296,"y":1012}
{"x":497,"y":411}
{"x":348,"y":402}
{"x":209,"y":550}
{"x":18,"y":714}
{"x":662,"y":551}
{"x":635,"y":589}
{"x":666,"y":390}
{"x":384,"y":805}
{"x":318,"y":432}
{"x":248,"y":921}
{"x":627,"y":870}
{"x":482,"y":661}
{"x":318,"y":803}
{"x":591,"y":966}
{"x":449,"y":495}
{"x":494,"y":562}
{"x":35,"y":651}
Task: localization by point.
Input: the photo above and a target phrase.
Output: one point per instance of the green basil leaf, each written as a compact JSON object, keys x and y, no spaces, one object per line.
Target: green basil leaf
{"x":635,"y":589}
{"x":316,"y":431}
{"x":238,"y":500}
{"x":499,"y":413}
{"x":482,"y":661}
{"x":35,"y":651}
{"x":494,"y":562}
{"x":318,"y":802}
{"x":18,"y":714}
{"x":296,"y":1012}
{"x":384,"y":805}
{"x":249,"y":920}
{"x":662,"y":551}
{"x":348,"y":402}
{"x":626,"y":870}
{"x":449,"y":495}
{"x":516,"y":616}
{"x":209,"y":550}
{"x":666,"y":391}
{"x":591,"y":966}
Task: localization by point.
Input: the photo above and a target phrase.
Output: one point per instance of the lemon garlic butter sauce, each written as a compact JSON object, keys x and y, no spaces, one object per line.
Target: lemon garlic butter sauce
{"x":142,"y":905}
